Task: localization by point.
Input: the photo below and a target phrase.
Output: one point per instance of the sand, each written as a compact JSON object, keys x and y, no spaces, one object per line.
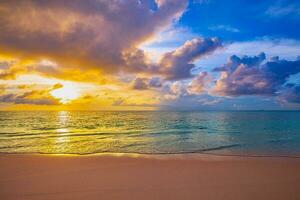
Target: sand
{"x":148,"y":177}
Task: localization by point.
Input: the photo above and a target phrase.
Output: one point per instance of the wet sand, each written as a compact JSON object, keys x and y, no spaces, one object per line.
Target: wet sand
{"x":132,"y":177}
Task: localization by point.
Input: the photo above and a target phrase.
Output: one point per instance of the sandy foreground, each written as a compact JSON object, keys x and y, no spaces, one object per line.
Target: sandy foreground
{"x":148,"y":177}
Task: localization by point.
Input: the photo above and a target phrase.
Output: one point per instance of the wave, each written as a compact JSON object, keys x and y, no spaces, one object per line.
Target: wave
{"x":136,"y":152}
{"x":296,"y":156}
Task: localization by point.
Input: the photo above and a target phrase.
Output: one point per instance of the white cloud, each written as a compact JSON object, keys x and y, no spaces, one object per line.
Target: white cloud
{"x":281,"y":10}
{"x":227,"y":28}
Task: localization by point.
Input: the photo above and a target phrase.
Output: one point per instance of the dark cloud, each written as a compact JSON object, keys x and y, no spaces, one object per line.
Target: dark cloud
{"x":26,"y":94}
{"x":155,"y":82}
{"x":5,"y":65}
{"x":145,"y":83}
{"x":27,"y":98}
{"x":140,"y":84}
{"x":61,"y":37}
{"x":83,"y":34}
{"x":290,"y":94}
{"x":254,"y":75}
{"x":6,"y":70}
{"x":246,"y":76}
{"x":178,"y":63}
{"x":173,"y":65}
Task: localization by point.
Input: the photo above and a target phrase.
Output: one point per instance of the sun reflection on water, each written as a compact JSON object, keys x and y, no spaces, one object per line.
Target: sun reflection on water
{"x":63,"y":117}
{"x":62,"y":132}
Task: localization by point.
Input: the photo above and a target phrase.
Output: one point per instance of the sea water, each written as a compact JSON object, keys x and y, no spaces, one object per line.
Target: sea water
{"x":151,"y":132}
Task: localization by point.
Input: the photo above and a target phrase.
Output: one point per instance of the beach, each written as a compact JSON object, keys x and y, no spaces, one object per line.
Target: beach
{"x":133,"y":176}
{"x":149,"y":100}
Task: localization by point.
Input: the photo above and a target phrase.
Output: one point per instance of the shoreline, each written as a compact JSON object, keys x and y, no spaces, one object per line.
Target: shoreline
{"x":136,"y":176}
{"x":166,"y":155}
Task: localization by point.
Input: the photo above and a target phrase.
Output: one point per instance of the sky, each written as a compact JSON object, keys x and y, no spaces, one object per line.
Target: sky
{"x":150,"y":55}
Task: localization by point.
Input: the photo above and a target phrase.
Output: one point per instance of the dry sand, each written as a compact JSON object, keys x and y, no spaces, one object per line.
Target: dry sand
{"x":148,"y":177}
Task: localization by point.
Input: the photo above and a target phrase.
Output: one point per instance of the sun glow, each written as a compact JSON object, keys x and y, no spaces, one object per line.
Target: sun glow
{"x":67,"y":93}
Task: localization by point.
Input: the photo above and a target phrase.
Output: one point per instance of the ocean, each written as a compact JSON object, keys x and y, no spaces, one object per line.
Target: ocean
{"x":151,"y":132}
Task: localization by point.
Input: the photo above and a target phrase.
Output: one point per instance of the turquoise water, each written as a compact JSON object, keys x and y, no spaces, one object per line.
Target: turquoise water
{"x":78,"y":132}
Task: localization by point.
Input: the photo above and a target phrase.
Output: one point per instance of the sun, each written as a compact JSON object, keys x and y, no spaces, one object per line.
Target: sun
{"x":67,"y":93}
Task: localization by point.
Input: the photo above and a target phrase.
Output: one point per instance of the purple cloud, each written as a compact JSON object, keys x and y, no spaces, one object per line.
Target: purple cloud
{"x":145,"y":83}
{"x":290,"y":94}
{"x":177,"y":64}
{"x":25,"y":98}
{"x":82,"y":34}
{"x":254,"y":75}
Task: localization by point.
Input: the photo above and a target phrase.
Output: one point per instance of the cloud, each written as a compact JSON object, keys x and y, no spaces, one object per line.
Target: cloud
{"x":227,"y":28}
{"x":290,"y":94}
{"x":3,"y":87}
{"x":283,"y":9}
{"x":145,"y":83}
{"x":57,"y":86}
{"x":124,"y":102}
{"x":177,"y":64}
{"x":31,"y":97}
{"x":240,"y":76}
{"x":287,"y":49}
{"x":194,"y":87}
{"x":199,"y":84}
{"x":7,"y":75}
{"x":175,"y":90}
{"x":155,"y":82}
{"x":80,"y":41}
{"x":45,"y":67}
{"x":7,"y":69}
{"x":5,"y":65}
{"x":28,"y":94}
{"x":209,"y":102}
{"x":194,"y":102}
{"x":82,"y":34}
{"x":118,"y":102}
{"x":140,"y":84}
{"x":254,"y":75}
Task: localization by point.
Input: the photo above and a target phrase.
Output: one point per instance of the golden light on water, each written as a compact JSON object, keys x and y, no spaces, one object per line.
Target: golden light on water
{"x":62,"y":140}
{"x":67,"y":93}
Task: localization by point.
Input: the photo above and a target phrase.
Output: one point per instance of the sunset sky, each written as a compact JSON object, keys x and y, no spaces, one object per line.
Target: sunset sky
{"x":149,"y":55}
